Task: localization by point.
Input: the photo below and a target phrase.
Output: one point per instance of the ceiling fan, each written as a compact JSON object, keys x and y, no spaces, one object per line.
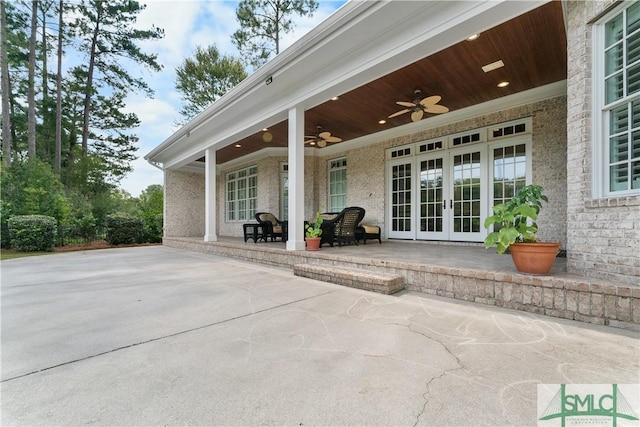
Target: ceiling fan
{"x":420,"y":106}
{"x":321,"y":138}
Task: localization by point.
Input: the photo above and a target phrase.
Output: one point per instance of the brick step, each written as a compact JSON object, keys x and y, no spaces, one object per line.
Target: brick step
{"x":354,"y":278}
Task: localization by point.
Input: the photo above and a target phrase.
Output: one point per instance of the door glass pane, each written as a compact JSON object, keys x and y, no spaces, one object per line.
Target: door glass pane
{"x":466,"y":192}
{"x":401,"y":197}
{"x":431,"y":195}
{"x":509,"y":172}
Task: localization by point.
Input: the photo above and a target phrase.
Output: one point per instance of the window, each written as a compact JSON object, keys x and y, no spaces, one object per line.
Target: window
{"x":337,"y":184}
{"x":618,"y":42}
{"x":242,"y":194}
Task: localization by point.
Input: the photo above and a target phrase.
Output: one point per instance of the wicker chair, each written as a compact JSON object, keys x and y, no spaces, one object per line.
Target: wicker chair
{"x":346,"y":223}
{"x":272,"y":226}
{"x":328,"y":227}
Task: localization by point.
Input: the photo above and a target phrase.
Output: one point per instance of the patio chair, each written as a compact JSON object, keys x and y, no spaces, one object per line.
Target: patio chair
{"x":346,"y":223}
{"x":272,"y":226}
{"x":328,"y":227}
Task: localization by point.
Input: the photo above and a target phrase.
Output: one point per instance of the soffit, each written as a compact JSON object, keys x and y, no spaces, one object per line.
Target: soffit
{"x":532,"y":46}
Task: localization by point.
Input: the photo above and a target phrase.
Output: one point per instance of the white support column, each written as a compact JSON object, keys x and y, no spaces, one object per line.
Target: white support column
{"x":210,"y":196}
{"x":295,"y":240}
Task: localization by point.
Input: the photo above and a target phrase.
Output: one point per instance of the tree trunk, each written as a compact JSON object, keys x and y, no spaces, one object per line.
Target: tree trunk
{"x":46,"y":111}
{"x":70,"y":156}
{"x":6,"y":118}
{"x":58,"y":155}
{"x":87,"y":95}
{"x":31,"y":94}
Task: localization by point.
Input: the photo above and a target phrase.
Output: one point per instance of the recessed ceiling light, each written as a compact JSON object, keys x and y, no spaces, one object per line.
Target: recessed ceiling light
{"x":503,"y":84}
{"x":493,"y":66}
{"x":473,"y":37}
{"x":381,"y":122}
{"x":238,"y":145}
{"x":265,"y":129}
{"x":312,"y":143}
{"x":335,"y":98}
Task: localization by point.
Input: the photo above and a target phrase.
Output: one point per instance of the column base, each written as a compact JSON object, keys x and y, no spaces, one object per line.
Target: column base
{"x":210,"y":238}
{"x":295,"y":246}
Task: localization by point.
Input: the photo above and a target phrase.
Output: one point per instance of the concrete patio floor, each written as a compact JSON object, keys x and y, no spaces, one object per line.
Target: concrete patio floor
{"x":161,"y":336}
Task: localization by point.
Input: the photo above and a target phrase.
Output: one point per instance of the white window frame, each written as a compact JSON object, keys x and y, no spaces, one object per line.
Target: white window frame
{"x":233,"y":211}
{"x":336,"y":165}
{"x":601,"y":187}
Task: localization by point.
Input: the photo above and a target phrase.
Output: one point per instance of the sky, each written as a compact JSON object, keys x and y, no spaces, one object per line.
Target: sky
{"x":186,"y":24}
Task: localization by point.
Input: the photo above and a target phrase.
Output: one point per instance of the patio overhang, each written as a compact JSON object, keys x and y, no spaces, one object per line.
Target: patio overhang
{"x":355,"y":53}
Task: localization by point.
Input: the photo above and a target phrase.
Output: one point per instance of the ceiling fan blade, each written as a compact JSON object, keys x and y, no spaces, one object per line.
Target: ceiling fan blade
{"x":310,"y":141}
{"x":322,"y":143}
{"x":324,"y":135}
{"x":416,"y":116}
{"x":396,"y":114}
{"x":406,"y":104}
{"x":430,"y":100}
{"x":436,"y":109}
{"x":333,"y":139}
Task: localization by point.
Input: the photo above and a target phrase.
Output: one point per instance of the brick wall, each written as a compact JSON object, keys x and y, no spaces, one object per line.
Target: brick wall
{"x":366,"y":166}
{"x":184,"y":204}
{"x":603,"y":235}
{"x":366,"y":171}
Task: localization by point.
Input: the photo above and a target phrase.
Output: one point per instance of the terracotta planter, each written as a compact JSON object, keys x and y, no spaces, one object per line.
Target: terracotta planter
{"x":313,"y":243}
{"x":534,"y":258}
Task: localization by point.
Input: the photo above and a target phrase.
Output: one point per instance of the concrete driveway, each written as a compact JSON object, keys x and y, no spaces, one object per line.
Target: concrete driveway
{"x":159,"y":336}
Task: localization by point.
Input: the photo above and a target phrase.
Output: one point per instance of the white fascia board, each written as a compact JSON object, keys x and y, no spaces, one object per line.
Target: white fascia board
{"x":358,"y":45}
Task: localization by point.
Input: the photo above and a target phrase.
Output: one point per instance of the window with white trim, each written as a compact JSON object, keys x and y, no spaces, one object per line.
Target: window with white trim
{"x":337,"y":184}
{"x":617,"y":44}
{"x":242,"y":194}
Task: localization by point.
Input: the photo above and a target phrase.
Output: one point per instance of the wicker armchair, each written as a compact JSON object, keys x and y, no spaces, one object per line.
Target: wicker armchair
{"x":272,"y":226}
{"x":346,"y":223}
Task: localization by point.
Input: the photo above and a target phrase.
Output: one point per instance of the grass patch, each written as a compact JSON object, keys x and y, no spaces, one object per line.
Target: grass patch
{"x":12,"y":253}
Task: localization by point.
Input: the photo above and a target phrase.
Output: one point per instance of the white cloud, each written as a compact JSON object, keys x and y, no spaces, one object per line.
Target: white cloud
{"x":143,"y":175}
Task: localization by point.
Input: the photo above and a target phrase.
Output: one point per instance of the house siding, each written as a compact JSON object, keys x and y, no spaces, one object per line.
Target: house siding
{"x":603,"y":235}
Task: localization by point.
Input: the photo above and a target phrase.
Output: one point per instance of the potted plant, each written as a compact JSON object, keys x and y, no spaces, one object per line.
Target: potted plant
{"x":313,"y":233}
{"x":515,"y":229}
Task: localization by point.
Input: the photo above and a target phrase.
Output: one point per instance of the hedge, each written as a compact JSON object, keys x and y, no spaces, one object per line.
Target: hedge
{"x":31,"y":233}
{"x":124,"y":230}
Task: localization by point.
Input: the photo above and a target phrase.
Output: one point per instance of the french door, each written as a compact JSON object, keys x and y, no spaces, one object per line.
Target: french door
{"x":444,"y":188}
{"x":451,"y":199}
{"x":401,"y":177}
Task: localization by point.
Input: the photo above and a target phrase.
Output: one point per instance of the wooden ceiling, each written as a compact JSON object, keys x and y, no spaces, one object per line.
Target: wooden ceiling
{"x":532,"y":46}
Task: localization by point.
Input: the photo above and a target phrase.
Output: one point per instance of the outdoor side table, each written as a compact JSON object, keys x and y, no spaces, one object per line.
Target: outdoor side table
{"x":253,"y":231}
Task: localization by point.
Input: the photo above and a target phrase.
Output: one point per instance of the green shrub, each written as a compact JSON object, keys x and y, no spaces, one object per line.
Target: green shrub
{"x":83,"y":229}
{"x":31,"y":233}
{"x":124,"y":230}
{"x":153,"y":228}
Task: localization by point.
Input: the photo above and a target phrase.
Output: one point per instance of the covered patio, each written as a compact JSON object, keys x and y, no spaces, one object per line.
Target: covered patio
{"x":517,"y":80}
{"x":466,"y":272}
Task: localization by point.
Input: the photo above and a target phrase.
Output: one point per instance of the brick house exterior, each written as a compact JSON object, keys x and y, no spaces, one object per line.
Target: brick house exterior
{"x":601,"y":235}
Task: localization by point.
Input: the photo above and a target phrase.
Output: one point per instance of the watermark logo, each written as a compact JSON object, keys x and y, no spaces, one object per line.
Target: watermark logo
{"x":588,"y":405}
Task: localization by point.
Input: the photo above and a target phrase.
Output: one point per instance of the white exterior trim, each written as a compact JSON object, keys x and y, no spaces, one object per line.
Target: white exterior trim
{"x":359,"y":43}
